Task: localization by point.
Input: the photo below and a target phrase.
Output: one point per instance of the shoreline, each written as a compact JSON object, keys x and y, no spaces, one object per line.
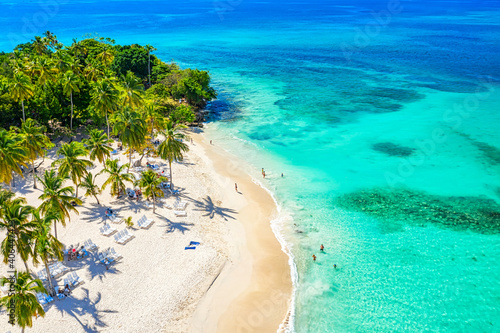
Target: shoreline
{"x":258,"y":277}
{"x":237,"y":280}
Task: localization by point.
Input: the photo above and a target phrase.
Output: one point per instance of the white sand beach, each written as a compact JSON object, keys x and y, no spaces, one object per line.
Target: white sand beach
{"x":236,"y":280}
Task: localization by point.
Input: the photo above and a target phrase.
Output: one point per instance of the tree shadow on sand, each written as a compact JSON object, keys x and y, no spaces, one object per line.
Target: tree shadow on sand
{"x":99,"y":271}
{"x":76,"y":308}
{"x":172,"y":226}
{"x":207,"y":205}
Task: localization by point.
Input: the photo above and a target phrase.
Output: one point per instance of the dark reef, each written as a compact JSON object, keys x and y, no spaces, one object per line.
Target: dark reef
{"x":393,"y":149}
{"x":419,"y":208}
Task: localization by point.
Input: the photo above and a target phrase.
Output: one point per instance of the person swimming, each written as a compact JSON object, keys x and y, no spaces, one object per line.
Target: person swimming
{"x":314,"y":257}
{"x":322,"y":248}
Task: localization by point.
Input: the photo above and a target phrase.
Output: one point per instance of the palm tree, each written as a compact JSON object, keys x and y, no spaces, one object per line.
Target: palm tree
{"x":131,"y":128}
{"x":93,"y":72}
{"x":149,"y":48}
{"x":45,"y":245}
{"x":98,"y":144}
{"x":150,"y":183}
{"x":16,"y":219}
{"x":40,"y":45}
{"x":92,"y":188}
{"x":34,"y":140}
{"x":106,"y":57}
{"x":105,"y":98}
{"x":23,"y":298}
{"x":172,"y":148}
{"x":71,"y":165}
{"x":132,"y":90}
{"x":117,"y":177}
{"x":21,"y":89}
{"x":153,"y":118}
{"x":45,"y":71}
{"x":70,"y":84}
{"x":57,"y":199}
{"x":12,"y":156}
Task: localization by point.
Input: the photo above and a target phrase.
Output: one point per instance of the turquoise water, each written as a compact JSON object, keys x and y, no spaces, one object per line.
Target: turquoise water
{"x":389,"y":142}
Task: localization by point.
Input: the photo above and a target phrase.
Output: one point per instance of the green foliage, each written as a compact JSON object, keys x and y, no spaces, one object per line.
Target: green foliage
{"x":24,"y":297}
{"x":183,"y":114}
{"x":131,"y":58}
{"x":47,"y":81}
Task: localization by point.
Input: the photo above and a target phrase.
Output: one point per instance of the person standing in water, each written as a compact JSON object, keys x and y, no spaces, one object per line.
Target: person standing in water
{"x":322,"y":248}
{"x":314,"y":257}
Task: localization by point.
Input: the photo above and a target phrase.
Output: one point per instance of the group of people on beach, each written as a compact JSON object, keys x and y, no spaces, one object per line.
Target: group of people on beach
{"x":74,"y":254}
{"x":322,"y":250}
{"x":66,"y":291}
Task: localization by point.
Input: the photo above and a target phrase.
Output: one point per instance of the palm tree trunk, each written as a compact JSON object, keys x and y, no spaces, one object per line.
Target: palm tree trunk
{"x":71,"y":122}
{"x":26,"y":265}
{"x":129,"y":158}
{"x":95,"y":196}
{"x":55,"y":229}
{"x":76,"y":191}
{"x":49,"y":277}
{"x":154,"y":201}
{"x":171,"y":183}
{"x":107,"y":123}
{"x":149,"y":68}
{"x":22,"y":104}
{"x":34,"y":177}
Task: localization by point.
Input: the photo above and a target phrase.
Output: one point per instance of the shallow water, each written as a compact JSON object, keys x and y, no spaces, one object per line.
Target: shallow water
{"x":409,"y":114}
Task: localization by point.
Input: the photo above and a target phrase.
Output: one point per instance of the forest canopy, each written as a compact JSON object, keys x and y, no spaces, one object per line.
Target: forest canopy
{"x":85,"y":82}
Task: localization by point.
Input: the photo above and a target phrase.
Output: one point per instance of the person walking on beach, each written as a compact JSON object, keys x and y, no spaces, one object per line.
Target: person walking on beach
{"x":210,"y":141}
{"x":314,"y":257}
{"x":322,"y":248}
{"x":236,"y":187}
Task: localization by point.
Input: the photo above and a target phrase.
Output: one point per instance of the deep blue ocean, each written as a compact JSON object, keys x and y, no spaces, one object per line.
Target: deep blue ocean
{"x":384,"y":118}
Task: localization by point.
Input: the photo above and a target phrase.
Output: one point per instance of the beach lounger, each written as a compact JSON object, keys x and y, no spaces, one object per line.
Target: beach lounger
{"x":89,"y":245}
{"x":75,"y":279}
{"x":180,"y":213}
{"x":194,"y":243}
{"x":144,"y":222}
{"x":180,"y":205}
{"x":44,"y":298}
{"x":107,"y":230}
{"x":190,"y":248}
{"x":112,"y":253}
{"x":124,"y":236}
{"x":102,"y":259}
{"x":115,"y":219}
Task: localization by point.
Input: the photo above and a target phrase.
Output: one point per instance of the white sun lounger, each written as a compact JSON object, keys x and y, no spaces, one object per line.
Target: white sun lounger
{"x":144,"y":222}
{"x":180,"y":205}
{"x":115,"y":219}
{"x":75,"y":279}
{"x":113,"y":254}
{"x":180,"y":213}
{"x":107,"y":230}
{"x":89,"y":245}
{"x":123,"y":236}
